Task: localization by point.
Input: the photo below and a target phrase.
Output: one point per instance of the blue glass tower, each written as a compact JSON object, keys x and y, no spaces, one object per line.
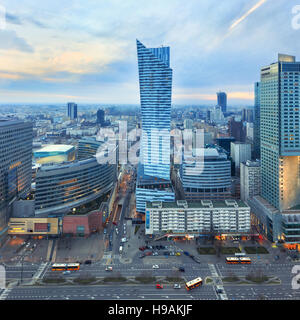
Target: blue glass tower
{"x":155,"y":76}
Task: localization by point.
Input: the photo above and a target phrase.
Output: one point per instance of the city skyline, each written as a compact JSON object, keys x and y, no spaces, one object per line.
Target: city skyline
{"x":79,"y":52}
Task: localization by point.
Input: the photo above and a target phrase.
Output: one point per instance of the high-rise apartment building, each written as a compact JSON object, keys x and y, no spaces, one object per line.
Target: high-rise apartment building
{"x":72,"y":110}
{"x":15,"y":165}
{"x":155,"y":77}
{"x":222,"y":101}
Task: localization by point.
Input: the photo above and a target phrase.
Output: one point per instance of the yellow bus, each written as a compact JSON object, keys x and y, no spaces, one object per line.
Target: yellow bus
{"x":232,"y":260}
{"x":193,"y":283}
{"x":65,"y":266}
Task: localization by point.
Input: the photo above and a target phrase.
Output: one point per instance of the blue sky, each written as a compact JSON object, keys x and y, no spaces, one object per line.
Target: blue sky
{"x":85,"y":51}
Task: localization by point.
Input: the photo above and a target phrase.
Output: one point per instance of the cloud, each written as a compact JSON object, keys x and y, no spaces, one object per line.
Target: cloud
{"x":9,"y":40}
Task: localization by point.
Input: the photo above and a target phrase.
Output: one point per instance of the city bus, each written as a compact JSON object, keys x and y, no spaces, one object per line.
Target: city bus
{"x":193,"y":283}
{"x":245,"y":260}
{"x":65,"y":266}
{"x":232,"y":260}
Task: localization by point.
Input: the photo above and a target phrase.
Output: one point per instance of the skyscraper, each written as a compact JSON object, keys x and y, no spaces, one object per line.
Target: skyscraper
{"x":15,"y":165}
{"x":222,"y":101}
{"x":72,"y":110}
{"x":279,"y":132}
{"x":256,"y":127}
{"x":155,"y":77}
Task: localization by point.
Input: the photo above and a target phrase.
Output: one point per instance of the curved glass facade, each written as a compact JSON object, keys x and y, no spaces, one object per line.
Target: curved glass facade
{"x":60,"y":188}
{"x":208,"y":177}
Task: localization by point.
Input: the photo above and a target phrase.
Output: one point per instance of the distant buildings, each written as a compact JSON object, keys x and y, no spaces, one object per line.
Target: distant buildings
{"x":216,"y":115}
{"x":206,"y":176}
{"x":100,"y":117}
{"x":15,"y":165}
{"x":222,"y":101}
{"x":250,"y":180}
{"x":240,"y":152}
{"x":184,"y":218}
{"x":155,"y":77}
{"x":237,"y":130}
{"x":72,"y":110}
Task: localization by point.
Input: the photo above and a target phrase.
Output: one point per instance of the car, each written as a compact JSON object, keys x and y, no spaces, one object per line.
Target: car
{"x":114,"y":223}
{"x":186,"y":253}
{"x":155,"y":266}
{"x":166,"y":253}
{"x":88,"y":262}
{"x":108,"y":269}
{"x":141,"y":256}
{"x":181,"y":269}
{"x":67,"y":272}
{"x":177,"y":286}
{"x":150,"y":247}
{"x":172,"y":253}
{"x":177,"y":254}
{"x":159,"y":286}
{"x":142,"y":248}
{"x":155,"y":253}
{"x":277,"y":257}
{"x":149,"y":253}
{"x":219,"y":290}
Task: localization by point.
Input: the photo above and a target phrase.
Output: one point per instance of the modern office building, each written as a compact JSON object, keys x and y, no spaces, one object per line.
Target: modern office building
{"x":72,"y":110}
{"x":62,"y":187}
{"x":240,"y":152}
{"x":101,"y":117}
{"x":256,"y":129}
{"x":222,"y":101}
{"x":87,"y":147}
{"x":15,"y":165}
{"x":184,"y":218}
{"x":250,"y":181}
{"x":280,"y":149}
{"x":206,"y":175}
{"x":55,"y":154}
{"x":155,"y":77}
{"x":217,"y":115}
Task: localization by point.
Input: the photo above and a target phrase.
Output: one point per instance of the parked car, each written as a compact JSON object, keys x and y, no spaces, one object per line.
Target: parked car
{"x":155,"y":253}
{"x":159,"y":286}
{"x":181,"y":269}
{"x":177,"y":286}
{"x":172,"y":253}
{"x":155,"y":266}
{"x":177,"y":254}
{"x":88,"y":262}
{"x":67,"y":272}
{"x":149,"y":253}
{"x":142,"y":248}
{"x":108,"y":269}
{"x":166,"y":253}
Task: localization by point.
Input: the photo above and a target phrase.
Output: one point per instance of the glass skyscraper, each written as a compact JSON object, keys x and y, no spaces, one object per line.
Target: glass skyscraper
{"x":155,"y":77}
{"x":222,"y":101}
{"x":256,"y":140}
{"x":72,"y":110}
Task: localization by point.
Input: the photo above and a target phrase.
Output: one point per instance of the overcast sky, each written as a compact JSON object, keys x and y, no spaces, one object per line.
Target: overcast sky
{"x":85,"y":50}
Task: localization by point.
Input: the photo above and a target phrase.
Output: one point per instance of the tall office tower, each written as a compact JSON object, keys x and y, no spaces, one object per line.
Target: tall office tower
{"x":250,"y":179}
{"x":155,"y":77}
{"x":72,"y":110}
{"x":277,"y":210}
{"x":222,"y":101}
{"x":15,"y":165}
{"x":206,"y":175}
{"x":100,"y":117}
{"x":256,"y":128}
{"x":279,"y":132}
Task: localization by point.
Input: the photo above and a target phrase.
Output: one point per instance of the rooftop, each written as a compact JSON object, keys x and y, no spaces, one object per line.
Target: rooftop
{"x":196,"y":205}
{"x":56,"y":148}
